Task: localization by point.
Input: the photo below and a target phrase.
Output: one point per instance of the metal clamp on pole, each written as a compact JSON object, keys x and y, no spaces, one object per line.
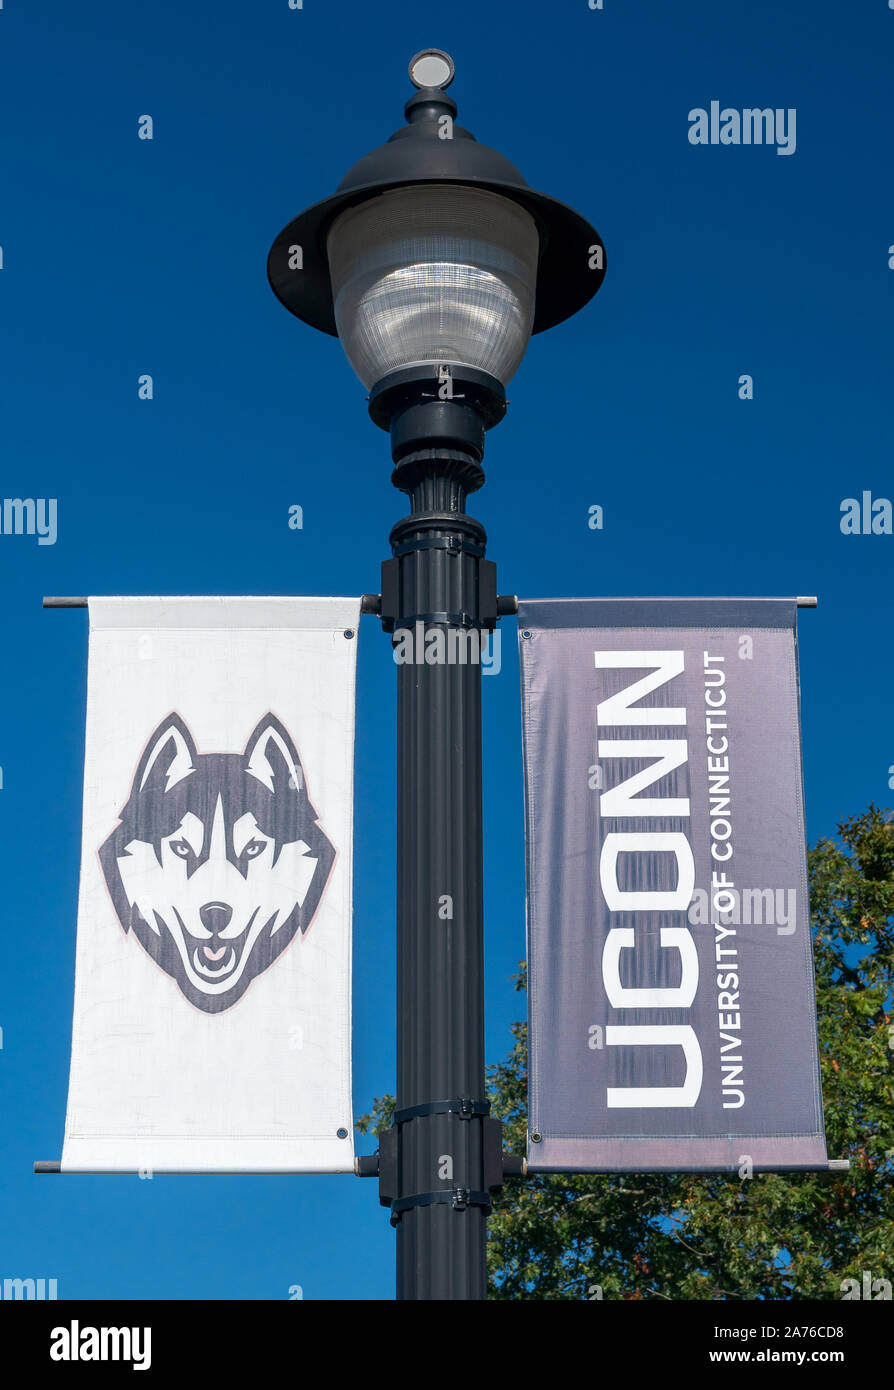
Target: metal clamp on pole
{"x":465,"y":1109}
{"x":454,"y":545}
{"x":458,"y":1197}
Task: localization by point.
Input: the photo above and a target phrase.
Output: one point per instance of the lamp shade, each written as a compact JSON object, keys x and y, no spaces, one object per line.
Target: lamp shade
{"x":432,"y":273}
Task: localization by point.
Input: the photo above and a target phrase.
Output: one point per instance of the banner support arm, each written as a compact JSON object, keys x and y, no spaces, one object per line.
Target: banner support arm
{"x":369,"y":603}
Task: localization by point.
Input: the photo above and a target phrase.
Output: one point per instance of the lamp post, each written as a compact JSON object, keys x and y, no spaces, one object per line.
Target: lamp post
{"x":433,"y":263}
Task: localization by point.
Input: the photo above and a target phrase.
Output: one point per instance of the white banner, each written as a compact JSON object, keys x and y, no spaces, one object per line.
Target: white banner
{"x":213,"y":978}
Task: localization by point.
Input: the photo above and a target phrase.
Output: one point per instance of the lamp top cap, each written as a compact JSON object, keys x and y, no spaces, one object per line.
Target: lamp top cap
{"x":432,"y":67}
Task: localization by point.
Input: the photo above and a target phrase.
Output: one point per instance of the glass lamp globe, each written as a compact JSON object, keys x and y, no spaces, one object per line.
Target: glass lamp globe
{"x":432,"y":273}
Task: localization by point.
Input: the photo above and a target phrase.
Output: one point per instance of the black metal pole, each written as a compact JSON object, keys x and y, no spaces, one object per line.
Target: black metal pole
{"x":439,"y":597}
{"x":441,"y":1160}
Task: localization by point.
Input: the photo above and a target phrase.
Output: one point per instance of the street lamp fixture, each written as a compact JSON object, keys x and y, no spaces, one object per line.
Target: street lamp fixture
{"x":435,"y":260}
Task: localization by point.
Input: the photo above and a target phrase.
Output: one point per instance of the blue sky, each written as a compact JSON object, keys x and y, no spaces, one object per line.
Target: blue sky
{"x":123,"y":257}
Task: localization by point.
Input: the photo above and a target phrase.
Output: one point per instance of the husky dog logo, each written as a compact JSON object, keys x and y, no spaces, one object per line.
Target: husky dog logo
{"x":219,"y":859}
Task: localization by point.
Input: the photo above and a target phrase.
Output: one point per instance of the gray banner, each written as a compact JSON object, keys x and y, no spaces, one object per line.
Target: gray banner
{"x":671,"y":998}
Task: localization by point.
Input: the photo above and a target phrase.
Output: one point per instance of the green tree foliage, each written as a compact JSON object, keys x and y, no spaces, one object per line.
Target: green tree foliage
{"x":774,"y":1236}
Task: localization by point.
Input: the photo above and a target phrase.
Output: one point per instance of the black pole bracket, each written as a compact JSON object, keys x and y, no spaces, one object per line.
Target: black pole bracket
{"x":390,"y":599}
{"x":493,"y":1158}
